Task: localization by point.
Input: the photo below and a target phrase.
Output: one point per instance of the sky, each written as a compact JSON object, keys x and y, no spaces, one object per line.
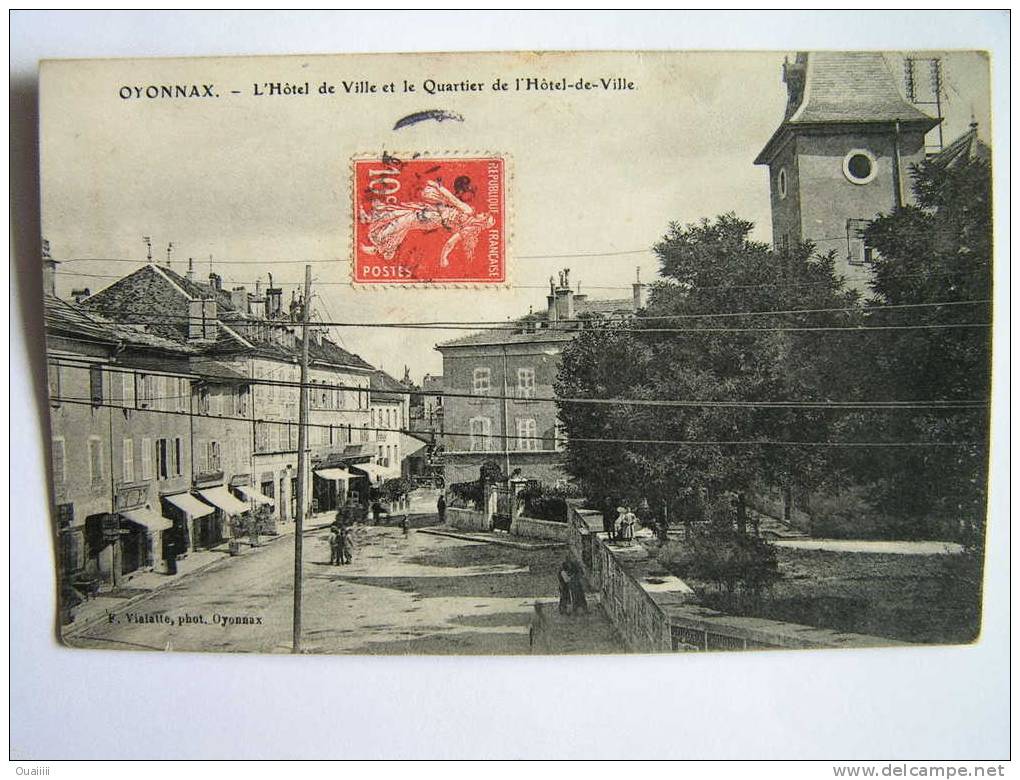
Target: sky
{"x":262,"y":184}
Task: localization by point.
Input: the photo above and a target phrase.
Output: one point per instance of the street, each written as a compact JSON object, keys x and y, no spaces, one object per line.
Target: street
{"x":401,"y":595}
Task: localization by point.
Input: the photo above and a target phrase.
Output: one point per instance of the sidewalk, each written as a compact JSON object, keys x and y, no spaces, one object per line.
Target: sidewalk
{"x":141,"y":585}
{"x":553,"y":633}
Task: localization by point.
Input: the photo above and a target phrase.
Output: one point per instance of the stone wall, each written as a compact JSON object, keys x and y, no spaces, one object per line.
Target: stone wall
{"x":655,"y":612}
{"x":468,"y":519}
{"x":538,"y":529}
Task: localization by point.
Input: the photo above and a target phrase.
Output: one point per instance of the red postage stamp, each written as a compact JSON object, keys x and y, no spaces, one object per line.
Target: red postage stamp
{"x":430,"y":220}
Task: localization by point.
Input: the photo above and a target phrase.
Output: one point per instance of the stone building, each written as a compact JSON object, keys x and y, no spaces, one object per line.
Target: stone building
{"x":120,"y":417}
{"x":842,"y":153}
{"x":252,"y":335}
{"x":498,"y":386}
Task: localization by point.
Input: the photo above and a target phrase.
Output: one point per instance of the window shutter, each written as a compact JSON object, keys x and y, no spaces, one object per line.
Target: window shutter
{"x":96,"y":385}
{"x":59,"y":465}
{"x":128,"y":459}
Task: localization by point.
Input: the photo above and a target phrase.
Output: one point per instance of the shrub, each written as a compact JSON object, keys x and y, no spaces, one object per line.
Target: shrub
{"x":547,"y":502}
{"x":725,"y":558}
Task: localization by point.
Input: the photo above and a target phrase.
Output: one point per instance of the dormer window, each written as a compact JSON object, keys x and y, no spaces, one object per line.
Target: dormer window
{"x":859,"y":166}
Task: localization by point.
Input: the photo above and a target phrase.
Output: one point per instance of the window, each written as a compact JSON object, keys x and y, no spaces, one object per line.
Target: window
{"x":178,"y":456}
{"x":59,"y":462}
{"x":127,"y":389}
{"x":527,"y":438}
{"x":242,"y":401}
{"x":213,"y":462}
{"x":128,"y":460}
{"x":95,"y":462}
{"x":481,"y":381}
{"x":859,"y":166}
{"x":162,"y":458}
{"x":216,"y":403}
{"x":481,"y":430}
{"x":146,"y":456}
{"x":144,"y":391}
{"x":526,"y":382}
{"x":53,"y":377}
{"x":96,"y":385}
{"x":781,"y":183}
{"x":184,"y":394}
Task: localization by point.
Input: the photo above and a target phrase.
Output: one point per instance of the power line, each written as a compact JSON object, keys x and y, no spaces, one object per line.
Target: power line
{"x":185,"y":320}
{"x":506,"y":437}
{"x":502,"y":324}
{"x":848,"y":405}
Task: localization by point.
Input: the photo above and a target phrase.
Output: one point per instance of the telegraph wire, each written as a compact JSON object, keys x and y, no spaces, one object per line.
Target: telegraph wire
{"x":520,"y":322}
{"x":81,"y":401}
{"x":686,"y":403}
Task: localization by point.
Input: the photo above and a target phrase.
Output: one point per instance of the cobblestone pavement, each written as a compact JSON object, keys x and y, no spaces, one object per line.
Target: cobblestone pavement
{"x":401,"y":595}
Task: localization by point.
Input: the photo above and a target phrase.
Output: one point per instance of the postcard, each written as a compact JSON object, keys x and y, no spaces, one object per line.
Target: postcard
{"x":518,"y":353}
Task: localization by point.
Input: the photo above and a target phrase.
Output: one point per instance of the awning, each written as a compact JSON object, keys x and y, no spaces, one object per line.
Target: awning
{"x":190,"y":505}
{"x":220,"y":497}
{"x":334,"y":474}
{"x":148,"y":517}
{"x":252,"y":494}
{"x":374,"y":471}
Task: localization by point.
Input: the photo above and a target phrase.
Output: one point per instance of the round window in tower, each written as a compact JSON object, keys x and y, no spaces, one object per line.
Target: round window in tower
{"x":781,"y":183}
{"x":859,"y":166}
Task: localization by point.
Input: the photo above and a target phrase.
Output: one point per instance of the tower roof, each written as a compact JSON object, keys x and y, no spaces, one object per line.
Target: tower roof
{"x":830,"y":88}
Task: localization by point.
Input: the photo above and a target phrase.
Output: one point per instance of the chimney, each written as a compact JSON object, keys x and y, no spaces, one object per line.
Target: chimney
{"x":195,"y":320}
{"x":564,"y":297}
{"x":239,"y":299}
{"x":215,"y":281}
{"x":550,"y":300}
{"x":201,"y":320}
{"x":49,"y":270}
{"x":640,"y":292}
{"x":190,"y":275}
{"x":80,"y":294}
{"x":274,"y":300}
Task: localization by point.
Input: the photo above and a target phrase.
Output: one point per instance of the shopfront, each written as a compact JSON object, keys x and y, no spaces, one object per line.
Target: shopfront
{"x":192,"y":520}
{"x":227,"y":509}
{"x":330,"y":488}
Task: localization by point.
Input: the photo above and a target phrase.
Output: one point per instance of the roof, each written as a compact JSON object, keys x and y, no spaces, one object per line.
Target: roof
{"x":67,"y":319}
{"x":535,"y":328}
{"x":384,"y":387}
{"x":74,"y":321}
{"x":330,"y":352}
{"x":842,"y":87}
{"x":214,"y":368}
{"x":165,"y":292}
{"x":967,"y":147}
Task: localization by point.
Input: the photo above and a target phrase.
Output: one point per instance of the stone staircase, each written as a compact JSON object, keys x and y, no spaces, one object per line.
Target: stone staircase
{"x":774,"y":528}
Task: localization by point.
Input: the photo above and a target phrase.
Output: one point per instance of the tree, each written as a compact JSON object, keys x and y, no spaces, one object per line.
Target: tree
{"x":937,"y":251}
{"x":712,"y":269}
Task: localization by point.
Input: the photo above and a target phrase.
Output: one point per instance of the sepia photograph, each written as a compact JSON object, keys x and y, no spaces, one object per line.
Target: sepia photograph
{"x":663,"y":352}
{"x":309,"y":398}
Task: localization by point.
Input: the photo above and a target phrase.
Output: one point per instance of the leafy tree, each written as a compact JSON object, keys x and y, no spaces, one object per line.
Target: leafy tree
{"x":709,"y":269}
{"x":937,"y":251}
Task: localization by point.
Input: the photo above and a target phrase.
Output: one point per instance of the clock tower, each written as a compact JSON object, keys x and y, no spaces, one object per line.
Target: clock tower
{"x":842,"y":154}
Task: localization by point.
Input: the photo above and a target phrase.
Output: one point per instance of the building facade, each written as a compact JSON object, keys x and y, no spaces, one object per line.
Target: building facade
{"x":498,"y":387}
{"x":841,"y":155}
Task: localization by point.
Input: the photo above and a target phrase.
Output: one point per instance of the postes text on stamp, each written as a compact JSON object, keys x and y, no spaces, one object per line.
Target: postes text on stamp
{"x":430,"y":220}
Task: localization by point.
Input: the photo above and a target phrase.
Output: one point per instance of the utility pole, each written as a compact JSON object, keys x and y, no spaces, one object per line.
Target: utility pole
{"x":299,"y":515}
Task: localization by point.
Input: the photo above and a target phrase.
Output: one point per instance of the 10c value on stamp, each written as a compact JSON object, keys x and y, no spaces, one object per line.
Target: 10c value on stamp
{"x":429,"y":220}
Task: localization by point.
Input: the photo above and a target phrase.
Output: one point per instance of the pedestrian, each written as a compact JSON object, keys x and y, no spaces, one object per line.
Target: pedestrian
{"x":346,"y":545}
{"x":627,"y":520}
{"x":608,"y":517}
{"x":334,"y":546}
{"x":441,"y":508}
{"x":404,"y":526}
{"x":564,"y":577}
{"x":578,"y":602}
